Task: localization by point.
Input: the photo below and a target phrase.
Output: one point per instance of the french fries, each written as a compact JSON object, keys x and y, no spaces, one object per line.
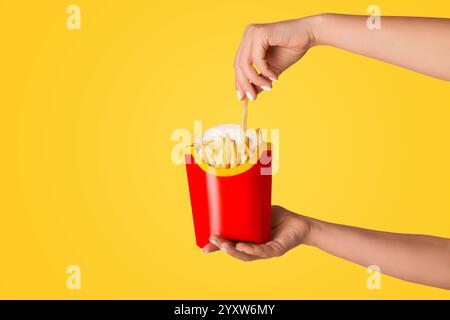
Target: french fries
{"x":225,"y":152}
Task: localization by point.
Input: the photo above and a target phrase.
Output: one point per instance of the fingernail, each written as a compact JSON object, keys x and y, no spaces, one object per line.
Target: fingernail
{"x":224,"y":249}
{"x":213,"y":241}
{"x":239,"y":95}
{"x":205,"y":251}
{"x":273,"y":79}
{"x":250,"y":96}
{"x":266,"y":88}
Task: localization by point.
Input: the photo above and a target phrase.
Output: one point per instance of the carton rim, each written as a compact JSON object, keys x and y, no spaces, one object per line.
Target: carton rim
{"x":223,"y":172}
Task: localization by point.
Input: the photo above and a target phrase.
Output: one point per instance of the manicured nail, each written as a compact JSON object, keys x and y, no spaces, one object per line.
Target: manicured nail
{"x":266,"y":88}
{"x":250,"y":96}
{"x":273,"y":79}
{"x":239,"y":95}
{"x":224,"y":249}
{"x":205,"y":251}
{"x":213,"y":241}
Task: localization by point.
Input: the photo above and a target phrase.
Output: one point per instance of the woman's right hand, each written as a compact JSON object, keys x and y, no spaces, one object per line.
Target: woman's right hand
{"x":403,"y":41}
{"x":271,"y":48}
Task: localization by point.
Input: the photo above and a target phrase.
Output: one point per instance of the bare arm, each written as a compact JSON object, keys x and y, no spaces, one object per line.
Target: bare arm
{"x":415,"y":258}
{"x":419,"y":44}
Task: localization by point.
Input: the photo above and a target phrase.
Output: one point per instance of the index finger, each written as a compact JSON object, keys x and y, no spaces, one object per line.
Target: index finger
{"x":209,"y":248}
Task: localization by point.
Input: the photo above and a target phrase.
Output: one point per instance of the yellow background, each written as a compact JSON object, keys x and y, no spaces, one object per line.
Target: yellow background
{"x":85,"y":170}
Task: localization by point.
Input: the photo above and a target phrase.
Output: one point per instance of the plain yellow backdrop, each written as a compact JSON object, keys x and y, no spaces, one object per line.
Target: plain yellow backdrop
{"x":85,"y":171}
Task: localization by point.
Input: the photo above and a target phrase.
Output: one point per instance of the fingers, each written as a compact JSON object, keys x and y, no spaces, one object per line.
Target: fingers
{"x":259,"y":59}
{"x":250,"y":75}
{"x":252,"y":51}
{"x":241,"y":94}
{"x":263,"y":251}
{"x":209,"y":248}
{"x":245,"y":88}
{"x":229,"y":247}
{"x":247,"y":251}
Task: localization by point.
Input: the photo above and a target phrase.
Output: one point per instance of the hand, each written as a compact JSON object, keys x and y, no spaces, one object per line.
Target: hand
{"x":272,"y":48}
{"x":288,"y":230}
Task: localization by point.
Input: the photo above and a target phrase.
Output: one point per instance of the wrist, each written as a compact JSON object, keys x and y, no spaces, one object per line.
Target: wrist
{"x":316,"y":28}
{"x":314,"y":231}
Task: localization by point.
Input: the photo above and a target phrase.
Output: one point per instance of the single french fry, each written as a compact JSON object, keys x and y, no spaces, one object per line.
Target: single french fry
{"x":258,"y":143}
{"x":244,"y":115}
{"x":208,"y":155}
{"x":231,"y":149}
{"x":208,"y":142}
{"x":234,"y":153}
{"x":240,"y":150}
{"x":247,"y":152}
{"x":243,"y":158}
{"x":223,"y":152}
{"x":226,"y":153}
{"x":244,"y":121}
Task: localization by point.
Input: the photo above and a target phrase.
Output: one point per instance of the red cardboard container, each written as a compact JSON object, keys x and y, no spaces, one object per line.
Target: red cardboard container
{"x":234,"y":203}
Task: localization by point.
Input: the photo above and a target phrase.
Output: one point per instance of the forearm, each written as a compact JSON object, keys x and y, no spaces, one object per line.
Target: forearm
{"x":419,"y":44}
{"x":416,"y":258}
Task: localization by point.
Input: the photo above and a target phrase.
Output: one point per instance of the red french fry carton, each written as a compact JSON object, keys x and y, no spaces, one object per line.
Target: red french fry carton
{"x":234,"y":203}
